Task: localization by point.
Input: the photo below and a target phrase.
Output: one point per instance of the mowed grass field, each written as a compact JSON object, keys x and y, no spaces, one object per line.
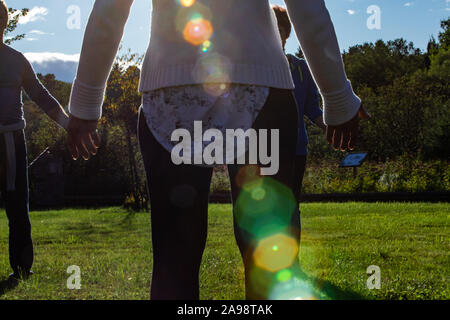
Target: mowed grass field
{"x":409,"y":242}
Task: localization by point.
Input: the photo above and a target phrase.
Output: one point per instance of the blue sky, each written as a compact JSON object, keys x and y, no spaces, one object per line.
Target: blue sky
{"x":53,"y":47}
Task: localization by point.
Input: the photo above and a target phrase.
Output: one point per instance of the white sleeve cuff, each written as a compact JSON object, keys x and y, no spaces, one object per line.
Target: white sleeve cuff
{"x":86,"y":101}
{"x":340,"y":106}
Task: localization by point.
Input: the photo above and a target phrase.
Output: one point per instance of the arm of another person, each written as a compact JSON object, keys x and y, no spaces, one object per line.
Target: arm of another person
{"x":39,"y":94}
{"x":312,"y":102}
{"x":342,"y":108}
{"x":101,"y":42}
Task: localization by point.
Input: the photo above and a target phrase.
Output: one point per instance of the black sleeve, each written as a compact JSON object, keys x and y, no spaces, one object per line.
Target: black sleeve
{"x":35,"y":90}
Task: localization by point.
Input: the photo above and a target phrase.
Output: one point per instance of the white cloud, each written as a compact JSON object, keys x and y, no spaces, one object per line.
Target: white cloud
{"x":63,"y":66}
{"x":408,"y":4}
{"x":35,"y":14}
{"x":351,"y":12}
{"x":49,"y":56}
{"x":39,"y":32}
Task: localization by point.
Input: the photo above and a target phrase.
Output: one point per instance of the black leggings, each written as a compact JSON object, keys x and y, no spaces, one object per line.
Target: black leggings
{"x":179,"y":208}
{"x":16,"y":205}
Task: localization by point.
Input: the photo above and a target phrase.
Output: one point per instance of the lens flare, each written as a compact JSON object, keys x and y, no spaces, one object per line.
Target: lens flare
{"x":247,"y":174}
{"x":186,"y":3}
{"x":216,"y":89}
{"x":212,"y":70}
{"x":206,"y":46}
{"x":275,"y":253}
{"x":265,"y":206}
{"x":284,"y":275}
{"x":258,"y":193}
{"x":197,"y":31}
{"x":261,"y":281}
{"x":195,"y":12}
{"x":292,"y":289}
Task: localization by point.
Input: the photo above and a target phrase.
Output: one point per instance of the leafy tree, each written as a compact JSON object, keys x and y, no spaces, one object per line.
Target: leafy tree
{"x":59,"y":89}
{"x":121,"y":107}
{"x":406,"y":91}
{"x":444,"y":35}
{"x":14,"y":16}
{"x":406,"y":117}
{"x":440,"y":64}
{"x":433,"y":46}
{"x":376,"y":65}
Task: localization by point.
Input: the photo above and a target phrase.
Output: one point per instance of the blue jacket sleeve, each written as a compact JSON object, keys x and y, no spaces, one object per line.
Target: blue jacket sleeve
{"x":35,"y":90}
{"x":312,"y":103}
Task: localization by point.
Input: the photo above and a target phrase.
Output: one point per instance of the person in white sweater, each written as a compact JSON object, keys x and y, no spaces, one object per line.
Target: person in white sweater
{"x":220,"y":62}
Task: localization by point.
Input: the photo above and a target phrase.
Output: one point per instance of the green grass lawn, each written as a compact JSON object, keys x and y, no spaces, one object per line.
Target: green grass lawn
{"x":409,"y":242}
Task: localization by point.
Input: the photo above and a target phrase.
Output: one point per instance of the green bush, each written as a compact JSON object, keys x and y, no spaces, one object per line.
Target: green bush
{"x":402,"y":175}
{"x":220,"y":181}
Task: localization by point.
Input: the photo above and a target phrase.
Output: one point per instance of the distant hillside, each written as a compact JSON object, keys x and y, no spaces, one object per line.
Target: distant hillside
{"x":63,"y":66}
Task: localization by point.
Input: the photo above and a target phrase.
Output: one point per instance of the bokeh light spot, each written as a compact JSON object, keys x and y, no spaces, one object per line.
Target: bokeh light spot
{"x":247,"y":174}
{"x":215,"y":89}
{"x":292,"y":289}
{"x":186,"y":3}
{"x":263,"y":214}
{"x":212,"y":70}
{"x":284,"y":275}
{"x":258,"y":193}
{"x":272,"y":260}
{"x":197,"y":31}
{"x":206,"y":46}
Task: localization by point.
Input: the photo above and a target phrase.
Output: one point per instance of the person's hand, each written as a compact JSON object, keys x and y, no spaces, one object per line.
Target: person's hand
{"x":82,"y":137}
{"x":343,"y":137}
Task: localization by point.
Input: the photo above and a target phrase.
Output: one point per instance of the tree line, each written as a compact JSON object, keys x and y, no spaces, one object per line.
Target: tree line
{"x":407,"y":92}
{"x":405,"y":89}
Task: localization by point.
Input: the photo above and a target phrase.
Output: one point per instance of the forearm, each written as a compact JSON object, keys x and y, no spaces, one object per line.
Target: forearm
{"x":59,"y":116}
{"x":319,"y":122}
{"x":317,"y":38}
{"x":40,"y":95}
{"x":312,"y":102}
{"x":101,"y":42}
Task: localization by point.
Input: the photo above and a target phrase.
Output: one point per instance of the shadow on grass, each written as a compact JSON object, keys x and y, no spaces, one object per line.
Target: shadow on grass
{"x":328,"y":291}
{"x":87,"y":229}
{"x":7,"y":285}
{"x":127,"y":221}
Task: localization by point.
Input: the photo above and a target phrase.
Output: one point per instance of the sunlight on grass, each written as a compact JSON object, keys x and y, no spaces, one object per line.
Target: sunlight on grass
{"x":112,"y":247}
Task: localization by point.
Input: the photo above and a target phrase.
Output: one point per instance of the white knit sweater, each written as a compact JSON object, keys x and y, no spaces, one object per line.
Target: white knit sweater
{"x":245,"y":48}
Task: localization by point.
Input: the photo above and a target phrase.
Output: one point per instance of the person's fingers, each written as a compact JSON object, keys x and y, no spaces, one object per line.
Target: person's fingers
{"x":345,"y":136}
{"x":82,"y":143}
{"x":72,"y":147}
{"x":90,"y":145}
{"x":329,"y":131}
{"x":337,"y":137}
{"x":96,"y":139}
{"x":345,"y":140}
